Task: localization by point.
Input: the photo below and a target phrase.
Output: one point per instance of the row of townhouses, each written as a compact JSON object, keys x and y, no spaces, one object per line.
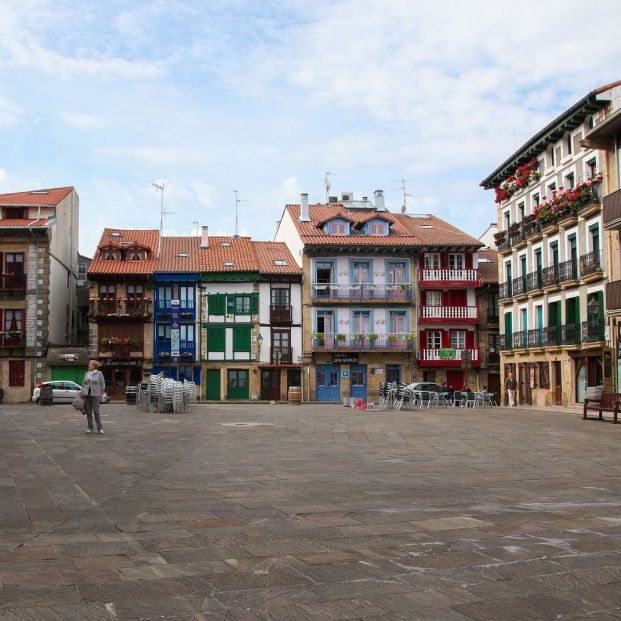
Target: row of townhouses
{"x":347,"y":296}
{"x":559,"y":213}
{"x":224,"y":312}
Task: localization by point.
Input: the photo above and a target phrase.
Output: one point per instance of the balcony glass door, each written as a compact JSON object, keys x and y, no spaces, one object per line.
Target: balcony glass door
{"x":398,"y":322}
{"x":397,"y":273}
{"x":361,"y":322}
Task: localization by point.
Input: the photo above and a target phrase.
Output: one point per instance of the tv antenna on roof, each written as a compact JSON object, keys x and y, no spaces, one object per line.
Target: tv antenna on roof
{"x":237,"y":201}
{"x":159,"y":187}
{"x":327,"y":185}
{"x":404,"y":207}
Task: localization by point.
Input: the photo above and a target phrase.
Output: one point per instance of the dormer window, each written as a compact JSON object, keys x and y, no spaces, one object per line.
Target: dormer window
{"x":110,"y":254}
{"x":377,"y":228}
{"x":135,"y":254}
{"x":337,"y":227}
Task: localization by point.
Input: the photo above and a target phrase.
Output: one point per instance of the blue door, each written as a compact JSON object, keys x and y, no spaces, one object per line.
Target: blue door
{"x":328,"y":382}
{"x":358,"y":382}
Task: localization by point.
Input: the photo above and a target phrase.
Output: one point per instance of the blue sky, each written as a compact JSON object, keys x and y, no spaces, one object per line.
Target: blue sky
{"x":212,"y":96}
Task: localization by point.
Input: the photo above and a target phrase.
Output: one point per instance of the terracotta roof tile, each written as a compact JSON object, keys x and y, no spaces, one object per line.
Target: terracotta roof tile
{"x":319,"y":213}
{"x":171,"y":257}
{"x":24,"y":223}
{"x":45,"y":198}
{"x":229,"y":254}
{"x":144,"y":237}
{"x":488,"y":269}
{"x":433,"y":231}
{"x":269,"y":252}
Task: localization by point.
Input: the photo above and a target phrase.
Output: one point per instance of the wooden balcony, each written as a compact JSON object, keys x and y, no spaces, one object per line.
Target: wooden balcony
{"x":448,"y":357}
{"x":449,"y":278}
{"x":281,"y":355}
{"x":449,"y":314}
{"x":120,"y":309}
{"x":280,"y":313}
{"x":118,"y":349}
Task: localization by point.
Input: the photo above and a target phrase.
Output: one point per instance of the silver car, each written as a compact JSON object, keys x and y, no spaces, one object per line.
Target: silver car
{"x":63,"y":391}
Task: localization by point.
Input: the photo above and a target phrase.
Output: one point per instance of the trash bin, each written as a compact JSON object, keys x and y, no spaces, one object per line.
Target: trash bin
{"x":46,"y":396}
{"x":130,"y":395}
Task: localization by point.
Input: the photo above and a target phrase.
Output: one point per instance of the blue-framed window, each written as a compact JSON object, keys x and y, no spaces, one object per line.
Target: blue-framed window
{"x":398,"y":322}
{"x":361,"y":322}
{"x":325,"y":271}
{"x":360,"y":272}
{"x":324,"y":321}
{"x":376,"y":228}
{"x":337,"y":227}
{"x":398,"y":272}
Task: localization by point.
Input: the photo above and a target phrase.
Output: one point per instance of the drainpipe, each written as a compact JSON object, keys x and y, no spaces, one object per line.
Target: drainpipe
{"x":36,"y":347}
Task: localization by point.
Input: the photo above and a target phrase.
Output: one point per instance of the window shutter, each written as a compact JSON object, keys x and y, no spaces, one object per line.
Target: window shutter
{"x":468,"y":262}
{"x":423,"y":340}
{"x":1,"y":263}
{"x":241,"y":338}
{"x":216,"y":338}
{"x":444,"y":260}
{"x":215,"y":303}
{"x":577,"y":145}
{"x":469,"y":339}
{"x":446,"y":338}
{"x":254,"y":304}
{"x":17,"y":372}
{"x":557,"y":156}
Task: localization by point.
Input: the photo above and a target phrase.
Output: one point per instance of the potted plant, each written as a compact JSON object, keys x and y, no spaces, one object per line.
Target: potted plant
{"x":392,"y":338}
{"x":340,"y":338}
{"x":319,"y":340}
{"x":372,"y":338}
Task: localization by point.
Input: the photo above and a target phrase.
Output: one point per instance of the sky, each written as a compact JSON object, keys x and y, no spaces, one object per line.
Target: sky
{"x":211,"y":96}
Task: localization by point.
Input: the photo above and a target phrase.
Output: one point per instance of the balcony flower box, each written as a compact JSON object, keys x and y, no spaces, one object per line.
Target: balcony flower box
{"x":522,"y":178}
{"x":515,"y":229}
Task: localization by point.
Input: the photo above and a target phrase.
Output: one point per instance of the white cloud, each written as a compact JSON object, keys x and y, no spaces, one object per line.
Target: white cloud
{"x":157,"y":155}
{"x":9,"y":112}
{"x":83,"y":121}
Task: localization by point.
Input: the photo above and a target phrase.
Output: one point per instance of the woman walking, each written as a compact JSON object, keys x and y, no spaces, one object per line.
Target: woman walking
{"x":93,"y":388}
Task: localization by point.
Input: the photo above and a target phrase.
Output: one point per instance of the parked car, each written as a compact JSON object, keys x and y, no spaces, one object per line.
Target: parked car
{"x":64,"y":391}
{"x":428,"y":386}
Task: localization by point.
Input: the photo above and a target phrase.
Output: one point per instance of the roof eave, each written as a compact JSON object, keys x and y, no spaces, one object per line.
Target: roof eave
{"x":570,"y":119}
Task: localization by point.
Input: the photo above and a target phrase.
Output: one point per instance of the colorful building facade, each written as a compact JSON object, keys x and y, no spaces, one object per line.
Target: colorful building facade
{"x":552,"y":265}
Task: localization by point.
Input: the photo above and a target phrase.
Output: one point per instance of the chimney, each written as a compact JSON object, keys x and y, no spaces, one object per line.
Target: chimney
{"x":205,"y":237}
{"x":379,"y":200}
{"x":304,"y":217}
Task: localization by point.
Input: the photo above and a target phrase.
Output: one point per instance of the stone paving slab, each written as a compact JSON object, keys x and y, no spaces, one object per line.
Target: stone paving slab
{"x":319,"y":513}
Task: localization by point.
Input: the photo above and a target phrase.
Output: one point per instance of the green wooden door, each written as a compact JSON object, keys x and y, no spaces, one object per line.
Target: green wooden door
{"x":72,"y":374}
{"x":213,"y":385}
{"x":237,"y":384}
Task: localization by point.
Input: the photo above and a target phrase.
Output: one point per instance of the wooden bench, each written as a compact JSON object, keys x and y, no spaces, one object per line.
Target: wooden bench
{"x":596,"y":400}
